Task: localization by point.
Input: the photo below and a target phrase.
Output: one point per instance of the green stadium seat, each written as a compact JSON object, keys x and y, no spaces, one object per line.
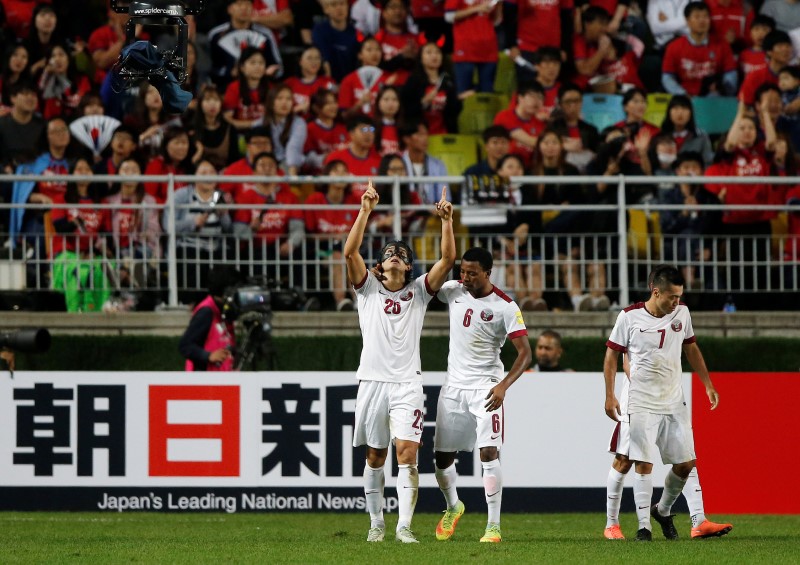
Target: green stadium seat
{"x":456,"y":151}
{"x":505,"y":81}
{"x":714,"y":114}
{"x":479,"y":111}
{"x":657,"y":103}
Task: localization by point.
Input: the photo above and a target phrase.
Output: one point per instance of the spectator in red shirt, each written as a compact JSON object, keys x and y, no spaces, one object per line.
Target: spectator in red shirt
{"x":622,"y":64}
{"x":325,"y":132}
{"x":744,"y":155}
{"x":617,"y":10}
{"x":778,"y":49}
{"x":123,"y":146}
{"x":243,"y":105}
{"x":106,"y":43}
{"x":696,"y":64}
{"x":387,"y":110}
{"x":547,"y":62}
{"x":358,"y":89}
{"x":19,"y":14}
{"x":753,"y":58}
{"x":431,"y":93}
{"x":538,"y":24}
{"x":729,"y":23}
{"x":174,"y":159}
{"x":61,"y":86}
{"x":360,"y":155}
{"x":429,"y":17}
{"x":259,"y":140}
{"x":327,"y":228}
{"x":400,"y":46}
{"x":592,"y":45}
{"x":309,"y":81}
{"x":273,"y":14}
{"x":270,"y":236}
{"x":474,"y":42}
{"x":522,"y":122}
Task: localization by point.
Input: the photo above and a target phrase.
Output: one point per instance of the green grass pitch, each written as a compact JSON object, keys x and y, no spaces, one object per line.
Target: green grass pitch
{"x":88,"y":538}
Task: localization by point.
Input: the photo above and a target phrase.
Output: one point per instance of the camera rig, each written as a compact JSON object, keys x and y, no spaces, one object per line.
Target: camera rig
{"x":165,"y":68}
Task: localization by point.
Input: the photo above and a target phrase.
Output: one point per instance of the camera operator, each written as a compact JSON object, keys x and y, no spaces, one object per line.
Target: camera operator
{"x":208,"y":342}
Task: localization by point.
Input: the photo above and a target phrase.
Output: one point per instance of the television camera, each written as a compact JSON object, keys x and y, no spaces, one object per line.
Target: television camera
{"x":164,"y":66}
{"x":26,"y":341}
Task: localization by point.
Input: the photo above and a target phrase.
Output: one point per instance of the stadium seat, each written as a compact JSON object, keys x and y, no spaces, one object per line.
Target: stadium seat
{"x":657,"y":103}
{"x":644,"y":234}
{"x":479,"y":111}
{"x":505,"y":81}
{"x":603,"y":110}
{"x":714,"y":114}
{"x":456,"y":151}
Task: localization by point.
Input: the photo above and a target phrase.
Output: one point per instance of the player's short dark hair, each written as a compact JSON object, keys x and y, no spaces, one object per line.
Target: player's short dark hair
{"x":762,"y":20}
{"x":495,"y":131}
{"x":479,"y":255}
{"x":663,"y":275}
{"x":773,"y":38}
{"x":692,"y":7}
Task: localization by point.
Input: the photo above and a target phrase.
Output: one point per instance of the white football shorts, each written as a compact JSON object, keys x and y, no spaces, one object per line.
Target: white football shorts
{"x":670,"y":433}
{"x":462,"y":422}
{"x":387,"y":411}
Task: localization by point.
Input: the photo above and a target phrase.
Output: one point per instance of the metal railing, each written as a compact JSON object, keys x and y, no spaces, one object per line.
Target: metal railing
{"x":561,"y":262}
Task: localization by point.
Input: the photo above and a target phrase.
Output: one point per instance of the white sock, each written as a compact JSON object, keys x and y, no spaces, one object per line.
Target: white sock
{"x":407,"y":489}
{"x":614,"y":486}
{"x":673,"y":485}
{"x":643,"y":497}
{"x":374,"y":481}
{"x":694,"y":498}
{"x":493,"y":488}
{"x":447,"y":484}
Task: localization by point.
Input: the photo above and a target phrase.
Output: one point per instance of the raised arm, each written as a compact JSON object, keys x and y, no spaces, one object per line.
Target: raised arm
{"x":444,"y":266}
{"x":356,"y":268}
{"x":695,"y":358}
{"x":613,"y":410}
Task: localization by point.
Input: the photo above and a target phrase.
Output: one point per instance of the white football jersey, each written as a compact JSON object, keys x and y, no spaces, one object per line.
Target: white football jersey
{"x":478,"y":330}
{"x":654,"y":347}
{"x":391,"y":325}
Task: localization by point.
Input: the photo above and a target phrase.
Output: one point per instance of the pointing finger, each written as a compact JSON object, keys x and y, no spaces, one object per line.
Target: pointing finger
{"x":444,"y":192}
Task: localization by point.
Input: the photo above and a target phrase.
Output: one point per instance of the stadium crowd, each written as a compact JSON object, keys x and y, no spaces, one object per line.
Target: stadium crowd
{"x":288,"y":87}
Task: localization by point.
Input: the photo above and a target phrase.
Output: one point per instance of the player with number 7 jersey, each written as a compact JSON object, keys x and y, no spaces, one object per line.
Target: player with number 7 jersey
{"x":470,"y":409}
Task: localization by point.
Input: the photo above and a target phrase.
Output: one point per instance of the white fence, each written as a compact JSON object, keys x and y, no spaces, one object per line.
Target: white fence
{"x":617,"y":260}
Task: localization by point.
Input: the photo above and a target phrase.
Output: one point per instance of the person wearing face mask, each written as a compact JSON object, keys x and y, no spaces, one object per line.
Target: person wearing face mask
{"x":683,"y":230}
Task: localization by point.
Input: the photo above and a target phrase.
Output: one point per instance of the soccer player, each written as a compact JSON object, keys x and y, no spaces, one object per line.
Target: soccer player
{"x":692,"y":491}
{"x":390,"y":403}
{"x":653,"y":333}
{"x":470,"y":408}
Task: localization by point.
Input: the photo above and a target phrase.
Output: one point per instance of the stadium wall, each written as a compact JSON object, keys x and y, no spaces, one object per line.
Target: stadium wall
{"x":341,"y":353}
{"x":280,"y":441}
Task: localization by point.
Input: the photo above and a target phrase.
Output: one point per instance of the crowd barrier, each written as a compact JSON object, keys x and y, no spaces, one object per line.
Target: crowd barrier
{"x":617,"y":261}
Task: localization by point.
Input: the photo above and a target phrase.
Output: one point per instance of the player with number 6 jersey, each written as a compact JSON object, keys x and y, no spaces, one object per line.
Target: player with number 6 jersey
{"x":390,"y":403}
{"x":470,"y":408}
